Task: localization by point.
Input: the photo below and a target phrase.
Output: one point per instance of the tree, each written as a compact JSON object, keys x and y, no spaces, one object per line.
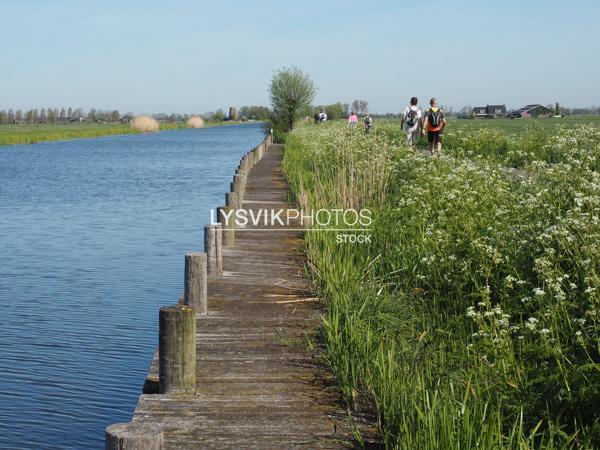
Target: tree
{"x":69,"y":113}
{"x":43,"y":115}
{"x":115,"y":116}
{"x":11,"y":116}
{"x":335,"y":111}
{"x":360,"y":106}
{"x":3,"y":117}
{"x":291,"y":91}
{"x":63,"y":114}
{"x":51,"y":115}
{"x":19,"y":116}
{"x":254,"y":113}
{"x":219,"y":115}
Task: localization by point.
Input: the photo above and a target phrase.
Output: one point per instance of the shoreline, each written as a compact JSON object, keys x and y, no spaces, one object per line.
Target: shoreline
{"x":34,"y":134}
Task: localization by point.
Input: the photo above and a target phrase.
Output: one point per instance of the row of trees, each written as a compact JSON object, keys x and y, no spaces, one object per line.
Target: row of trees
{"x":56,"y":115}
{"x":342,"y":110}
{"x":245,"y":113}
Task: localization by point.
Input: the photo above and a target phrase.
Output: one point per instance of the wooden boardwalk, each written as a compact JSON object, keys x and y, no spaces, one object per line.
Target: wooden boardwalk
{"x":257,"y":384}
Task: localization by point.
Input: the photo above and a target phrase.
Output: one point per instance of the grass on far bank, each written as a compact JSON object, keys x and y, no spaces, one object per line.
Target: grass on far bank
{"x":30,"y":134}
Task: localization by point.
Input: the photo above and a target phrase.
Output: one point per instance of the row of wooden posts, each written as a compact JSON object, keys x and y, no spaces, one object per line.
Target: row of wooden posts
{"x":177,"y":323}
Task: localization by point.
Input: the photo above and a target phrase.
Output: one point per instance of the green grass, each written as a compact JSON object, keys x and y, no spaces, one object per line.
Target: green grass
{"x":520,"y":125}
{"x":29,"y":134}
{"x":472,"y":319}
{"x":515,"y":142}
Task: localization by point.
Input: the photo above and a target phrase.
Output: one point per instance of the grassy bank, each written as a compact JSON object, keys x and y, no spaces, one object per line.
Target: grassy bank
{"x":29,"y":134}
{"x":471,"y":320}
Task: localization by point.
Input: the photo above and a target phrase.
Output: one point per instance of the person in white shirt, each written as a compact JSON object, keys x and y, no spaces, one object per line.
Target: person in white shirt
{"x":411,"y":121}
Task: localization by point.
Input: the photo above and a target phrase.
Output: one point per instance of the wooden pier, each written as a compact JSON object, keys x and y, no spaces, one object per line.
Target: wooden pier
{"x":257,"y":383}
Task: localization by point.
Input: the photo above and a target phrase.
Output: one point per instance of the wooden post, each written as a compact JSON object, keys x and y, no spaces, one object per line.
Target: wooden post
{"x":194,"y":292}
{"x":219,"y":248}
{"x":228,"y":225}
{"x":134,"y":436}
{"x":231,"y":200}
{"x":210,"y":247}
{"x":239,"y":186}
{"x":177,"y":349}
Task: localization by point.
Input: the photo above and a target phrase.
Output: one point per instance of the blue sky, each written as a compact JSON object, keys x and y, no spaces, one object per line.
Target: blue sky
{"x":197,"y":56}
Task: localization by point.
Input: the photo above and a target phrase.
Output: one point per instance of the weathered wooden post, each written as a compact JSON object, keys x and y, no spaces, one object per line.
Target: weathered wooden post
{"x":231,"y":200}
{"x":177,"y":350}
{"x":225,"y":215}
{"x":259,"y":151}
{"x":210,"y":247}
{"x":195,"y":290}
{"x":239,"y":186}
{"x":134,"y":436}
{"x":219,"y":247}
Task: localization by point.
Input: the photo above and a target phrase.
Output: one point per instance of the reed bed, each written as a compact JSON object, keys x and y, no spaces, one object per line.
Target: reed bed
{"x":195,"y":122}
{"x":145,"y":124}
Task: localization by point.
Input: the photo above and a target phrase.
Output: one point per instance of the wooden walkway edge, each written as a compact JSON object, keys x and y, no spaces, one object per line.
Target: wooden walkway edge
{"x":257,"y":384}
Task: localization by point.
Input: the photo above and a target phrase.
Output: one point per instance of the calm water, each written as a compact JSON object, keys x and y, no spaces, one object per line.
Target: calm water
{"x":92,"y":241}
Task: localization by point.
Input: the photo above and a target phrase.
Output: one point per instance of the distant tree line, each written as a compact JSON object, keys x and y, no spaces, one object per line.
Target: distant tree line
{"x":245,"y":113}
{"x":578,"y":111}
{"x":57,"y":116}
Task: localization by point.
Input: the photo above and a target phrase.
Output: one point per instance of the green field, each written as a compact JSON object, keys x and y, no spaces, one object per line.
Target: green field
{"x":519,"y":125}
{"x":472,"y":319}
{"x":29,"y":134}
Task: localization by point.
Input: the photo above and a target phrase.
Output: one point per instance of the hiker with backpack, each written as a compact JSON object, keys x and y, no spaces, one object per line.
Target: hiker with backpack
{"x":434,"y":124}
{"x":411,"y":121}
{"x":368,"y":123}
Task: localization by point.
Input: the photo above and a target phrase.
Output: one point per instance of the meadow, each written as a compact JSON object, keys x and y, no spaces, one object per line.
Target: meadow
{"x":471,"y":319}
{"x":30,"y":134}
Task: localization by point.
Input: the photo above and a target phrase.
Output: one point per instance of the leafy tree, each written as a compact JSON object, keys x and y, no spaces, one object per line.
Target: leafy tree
{"x":115,"y":116}
{"x":254,"y":112}
{"x":335,"y":111}
{"x":11,"y":116}
{"x":3,"y":117}
{"x":51,"y":115}
{"x":219,"y":115}
{"x":291,"y":91}
{"x":29,"y":116}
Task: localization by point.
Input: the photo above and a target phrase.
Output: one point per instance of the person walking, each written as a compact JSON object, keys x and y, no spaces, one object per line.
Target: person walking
{"x":352,"y":120}
{"x":411,"y":121}
{"x":434,"y":124}
{"x":368,"y":123}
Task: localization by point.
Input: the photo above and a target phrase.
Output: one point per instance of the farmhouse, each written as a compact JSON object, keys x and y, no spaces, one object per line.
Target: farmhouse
{"x":489,"y":111}
{"x":535,"y":110}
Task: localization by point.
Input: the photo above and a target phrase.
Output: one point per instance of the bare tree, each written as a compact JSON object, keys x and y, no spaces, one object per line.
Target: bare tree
{"x":360,"y":106}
